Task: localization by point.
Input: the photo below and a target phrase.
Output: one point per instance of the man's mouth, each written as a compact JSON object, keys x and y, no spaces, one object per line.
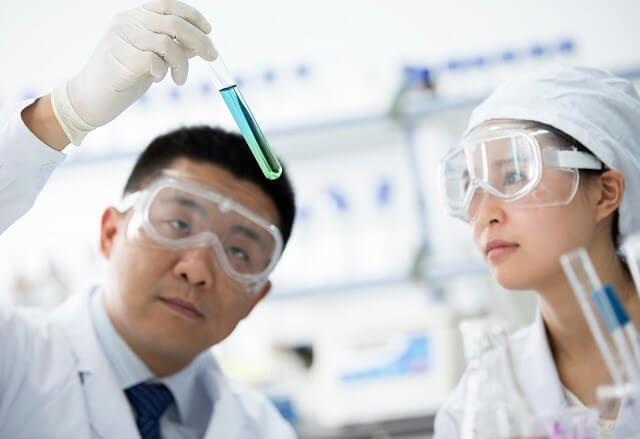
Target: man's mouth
{"x":182,"y":307}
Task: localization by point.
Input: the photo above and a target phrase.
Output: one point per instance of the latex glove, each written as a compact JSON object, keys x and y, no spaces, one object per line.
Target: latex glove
{"x":138,"y":48}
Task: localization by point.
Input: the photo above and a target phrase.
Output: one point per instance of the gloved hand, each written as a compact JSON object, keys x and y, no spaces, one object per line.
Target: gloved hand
{"x":138,"y":48}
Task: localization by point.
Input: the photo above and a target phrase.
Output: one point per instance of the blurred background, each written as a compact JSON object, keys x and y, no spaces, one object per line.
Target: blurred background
{"x":360,"y":99}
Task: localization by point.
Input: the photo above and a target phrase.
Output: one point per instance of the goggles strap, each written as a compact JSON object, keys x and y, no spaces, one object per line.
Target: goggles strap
{"x":559,"y":158}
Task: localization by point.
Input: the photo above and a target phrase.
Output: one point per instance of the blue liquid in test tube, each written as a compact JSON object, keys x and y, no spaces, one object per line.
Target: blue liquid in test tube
{"x":247,"y":124}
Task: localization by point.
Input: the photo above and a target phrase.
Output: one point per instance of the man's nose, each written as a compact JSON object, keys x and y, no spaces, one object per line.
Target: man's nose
{"x":196,"y":267}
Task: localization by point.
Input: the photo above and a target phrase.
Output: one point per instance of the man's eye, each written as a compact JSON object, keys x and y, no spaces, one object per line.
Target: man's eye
{"x":238,"y":253}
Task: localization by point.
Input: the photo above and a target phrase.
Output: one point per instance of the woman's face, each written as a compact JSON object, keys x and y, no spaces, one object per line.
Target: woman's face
{"x":522,"y":244}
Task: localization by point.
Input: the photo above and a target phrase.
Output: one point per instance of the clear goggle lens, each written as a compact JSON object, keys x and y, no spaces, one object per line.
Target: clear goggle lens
{"x":176,"y":215}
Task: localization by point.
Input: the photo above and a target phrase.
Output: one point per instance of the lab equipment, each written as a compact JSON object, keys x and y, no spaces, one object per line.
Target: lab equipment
{"x":403,"y":347}
{"x":519,"y":162}
{"x":616,"y":329}
{"x":256,"y":140}
{"x":595,"y":300}
{"x":621,"y":402}
{"x":624,"y":323}
{"x":494,"y":404}
{"x":174,"y":213}
{"x":631,"y":249}
{"x":571,"y":423}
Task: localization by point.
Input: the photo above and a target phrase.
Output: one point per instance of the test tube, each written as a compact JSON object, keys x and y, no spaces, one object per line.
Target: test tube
{"x":241,"y":113}
{"x":585,"y":282}
{"x":631,"y":249}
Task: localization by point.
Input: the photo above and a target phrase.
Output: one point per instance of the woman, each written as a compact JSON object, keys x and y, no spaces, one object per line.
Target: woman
{"x":550,"y":163}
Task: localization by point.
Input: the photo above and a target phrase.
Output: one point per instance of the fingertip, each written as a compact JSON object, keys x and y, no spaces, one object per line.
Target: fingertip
{"x":179,"y":76}
{"x":210,"y":52}
{"x":158,"y":71}
{"x":206,"y":27}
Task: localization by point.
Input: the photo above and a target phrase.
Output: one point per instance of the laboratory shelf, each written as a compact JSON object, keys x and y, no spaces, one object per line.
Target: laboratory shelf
{"x":411,"y":428}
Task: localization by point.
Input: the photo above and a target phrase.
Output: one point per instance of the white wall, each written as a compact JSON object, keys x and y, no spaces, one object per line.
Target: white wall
{"x":42,"y":42}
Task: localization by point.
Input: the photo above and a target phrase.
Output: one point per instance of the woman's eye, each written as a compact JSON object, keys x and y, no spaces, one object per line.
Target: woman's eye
{"x":466,"y":180}
{"x":179,"y":225}
{"x":513,"y":178}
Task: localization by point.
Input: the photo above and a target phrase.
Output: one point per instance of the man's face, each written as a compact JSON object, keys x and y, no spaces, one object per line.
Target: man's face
{"x":177,"y":303}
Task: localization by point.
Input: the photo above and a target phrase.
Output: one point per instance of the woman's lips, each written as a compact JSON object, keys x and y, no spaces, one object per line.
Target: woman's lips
{"x":182,"y":307}
{"x":497,"y":249}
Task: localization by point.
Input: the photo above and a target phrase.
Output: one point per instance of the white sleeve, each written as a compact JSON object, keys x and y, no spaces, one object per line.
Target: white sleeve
{"x":40,"y":390}
{"x":25,"y":165}
{"x":41,"y":393}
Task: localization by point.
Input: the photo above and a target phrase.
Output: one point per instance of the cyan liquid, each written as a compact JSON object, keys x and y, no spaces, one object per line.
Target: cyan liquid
{"x":251,"y":132}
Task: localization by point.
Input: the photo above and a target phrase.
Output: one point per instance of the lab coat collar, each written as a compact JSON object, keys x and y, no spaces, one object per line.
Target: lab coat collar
{"x":109,"y":410}
{"x":229,"y":418}
{"x":539,"y":378}
{"x":130,"y":369}
{"x":127,"y":366}
{"x":536,"y":369}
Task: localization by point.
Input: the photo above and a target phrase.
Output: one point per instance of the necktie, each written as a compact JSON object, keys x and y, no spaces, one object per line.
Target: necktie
{"x":149,"y":401}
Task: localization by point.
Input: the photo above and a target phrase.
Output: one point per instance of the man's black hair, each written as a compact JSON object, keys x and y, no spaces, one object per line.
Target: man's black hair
{"x":229,"y":151}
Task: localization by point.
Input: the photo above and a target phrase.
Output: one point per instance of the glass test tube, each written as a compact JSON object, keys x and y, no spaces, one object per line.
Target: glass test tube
{"x":241,"y":113}
{"x":631,"y":248}
{"x":594,"y":300}
{"x":584,"y":281}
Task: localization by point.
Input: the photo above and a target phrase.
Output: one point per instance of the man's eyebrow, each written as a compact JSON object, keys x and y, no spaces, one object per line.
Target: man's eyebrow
{"x":184,"y":201}
{"x":251,"y":234}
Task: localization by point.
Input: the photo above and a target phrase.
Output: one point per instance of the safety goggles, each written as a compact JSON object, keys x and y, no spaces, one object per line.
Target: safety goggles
{"x":175,"y":214}
{"x":515,"y":161}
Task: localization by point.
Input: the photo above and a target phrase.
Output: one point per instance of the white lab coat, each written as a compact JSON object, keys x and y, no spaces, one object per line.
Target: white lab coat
{"x":238,"y":412}
{"x":537,"y":375}
{"x":55,"y":380}
{"x":40,"y":393}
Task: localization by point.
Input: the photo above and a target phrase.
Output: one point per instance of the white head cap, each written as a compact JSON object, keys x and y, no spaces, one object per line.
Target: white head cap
{"x":598,"y":109}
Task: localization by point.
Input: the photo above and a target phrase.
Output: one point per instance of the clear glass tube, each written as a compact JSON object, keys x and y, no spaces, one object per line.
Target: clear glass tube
{"x":631,"y":248}
{"x":621,"y":402}
{"x":256,"y":140}
{"x":495,"y":406}
{"x":600,"y":315}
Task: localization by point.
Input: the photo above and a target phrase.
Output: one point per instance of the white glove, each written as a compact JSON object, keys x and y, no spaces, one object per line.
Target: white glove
{"x":139,"y":47}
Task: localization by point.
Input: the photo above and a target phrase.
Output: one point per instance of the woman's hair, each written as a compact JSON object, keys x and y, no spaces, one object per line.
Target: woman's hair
{"x":615,"y":230}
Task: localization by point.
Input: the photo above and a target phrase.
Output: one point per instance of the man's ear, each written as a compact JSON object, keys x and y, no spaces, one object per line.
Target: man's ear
{"x":611,"y":192}
{"x":258,"y":297}
{"x":110,"y":224}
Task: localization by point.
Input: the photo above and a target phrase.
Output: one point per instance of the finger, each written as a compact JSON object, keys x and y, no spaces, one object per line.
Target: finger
{"x":189,"y":53}
{"x":182,"y":31}
{"x":182,"y":10}
{"x":163,"y":46}
{"x":139,"y":62}
{"x":179,"y":74}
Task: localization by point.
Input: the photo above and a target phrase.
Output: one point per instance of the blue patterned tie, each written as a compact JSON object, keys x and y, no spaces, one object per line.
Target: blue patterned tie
{"x":150,"y":401}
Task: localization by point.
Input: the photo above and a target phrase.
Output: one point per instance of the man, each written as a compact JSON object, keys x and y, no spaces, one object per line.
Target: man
{"x":188,"y":253}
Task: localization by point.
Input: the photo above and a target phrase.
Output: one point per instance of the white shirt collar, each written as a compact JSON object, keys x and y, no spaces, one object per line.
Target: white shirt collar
{"x":131,"y":370}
